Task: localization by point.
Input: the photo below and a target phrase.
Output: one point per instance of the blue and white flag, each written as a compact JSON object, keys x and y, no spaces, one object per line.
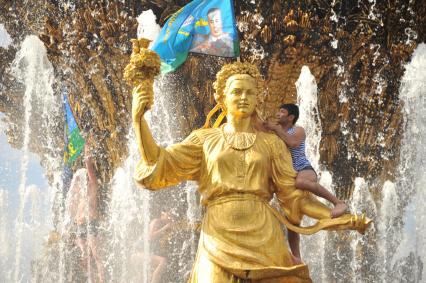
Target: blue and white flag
{"x":74,"y":142}
{"x":201,"y":26}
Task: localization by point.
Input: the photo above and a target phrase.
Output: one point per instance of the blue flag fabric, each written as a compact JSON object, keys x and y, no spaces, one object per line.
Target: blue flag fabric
{"x":71,"y":123}
{"x":201,"y":26}
{"x":74,"y":142}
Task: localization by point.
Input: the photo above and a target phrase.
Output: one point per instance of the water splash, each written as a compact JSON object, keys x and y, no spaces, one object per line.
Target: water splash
{"x":130,"y":204}
{"x":307,"y":90}
{"x":32,"y":67}
{"x":309,"y":116}
{"x":5,"y":249}
{"x":193,"y":214}
{"x":361,"y":202}
{"x":387,"y":235}
{"x":128,"y":223}
{"x":411,"y":253}
{"x":5,"y":39}
{"x":131,"y":209}
{"x":33,"y":219}
{"x":147,"y":26}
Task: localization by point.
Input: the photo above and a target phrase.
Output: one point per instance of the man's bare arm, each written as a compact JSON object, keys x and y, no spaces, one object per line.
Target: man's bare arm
{"x":92,"y":186}
{"x":74,"y":197}
{"x":154,"y":232}
{"x":290,"y":140}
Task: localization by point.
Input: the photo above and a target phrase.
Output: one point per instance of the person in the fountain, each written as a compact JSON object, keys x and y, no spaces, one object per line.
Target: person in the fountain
{"x":294,"y":137}
{"x":158,"y":228}
{"x":238,"y":170}
{"x":84,"y":212}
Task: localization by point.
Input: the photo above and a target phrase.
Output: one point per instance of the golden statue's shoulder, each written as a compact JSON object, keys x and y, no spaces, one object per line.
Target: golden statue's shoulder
{"x":268,"y":137}
{"x":202,"y":134}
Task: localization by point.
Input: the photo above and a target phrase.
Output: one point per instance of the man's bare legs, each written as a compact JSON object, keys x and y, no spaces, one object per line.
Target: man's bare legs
{"x":157,"y":229}
{"x":89,"y":248}
{"x":294,"y":243}
{"x":93,"y":215}
{"x":307,"y":180}
{"x":85,"y":257}
{"x":95,"y":250}
{"x":160,"y":265}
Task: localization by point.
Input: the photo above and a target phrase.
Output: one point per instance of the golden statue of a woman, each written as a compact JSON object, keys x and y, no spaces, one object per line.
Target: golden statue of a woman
{"x":238,"y":170}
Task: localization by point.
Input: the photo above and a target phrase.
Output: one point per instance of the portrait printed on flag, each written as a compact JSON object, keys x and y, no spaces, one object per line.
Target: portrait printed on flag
{"x":217,"y":41}
{"x":201,"y":26}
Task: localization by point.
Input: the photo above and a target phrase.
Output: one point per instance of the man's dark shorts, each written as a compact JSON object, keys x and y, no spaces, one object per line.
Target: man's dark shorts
{"x":309,"y":168}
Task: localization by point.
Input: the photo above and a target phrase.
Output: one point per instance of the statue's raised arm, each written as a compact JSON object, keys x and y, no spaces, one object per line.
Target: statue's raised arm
{"x":159,"y":167}
{"x":140,"y":73}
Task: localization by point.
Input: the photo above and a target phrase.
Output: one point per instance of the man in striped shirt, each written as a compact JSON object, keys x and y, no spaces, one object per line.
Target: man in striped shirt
{"x":294,"y":137}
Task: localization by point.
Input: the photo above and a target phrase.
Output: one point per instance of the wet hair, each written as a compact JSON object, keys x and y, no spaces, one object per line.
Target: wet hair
{"x":292,"y":109}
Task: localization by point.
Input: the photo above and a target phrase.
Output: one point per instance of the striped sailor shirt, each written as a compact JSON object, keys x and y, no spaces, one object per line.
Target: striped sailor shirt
{"x":298,"y":154}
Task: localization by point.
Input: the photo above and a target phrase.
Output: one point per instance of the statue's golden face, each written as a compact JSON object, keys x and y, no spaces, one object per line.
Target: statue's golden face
{"x":240,"y":95}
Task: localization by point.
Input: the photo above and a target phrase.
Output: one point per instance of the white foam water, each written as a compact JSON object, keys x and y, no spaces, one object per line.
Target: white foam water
{"x":32,"y":67}
{"x":307,"y":90}
{"x":411,"y":252}
{"x":5,"y":39}
{"x":147,"y":26}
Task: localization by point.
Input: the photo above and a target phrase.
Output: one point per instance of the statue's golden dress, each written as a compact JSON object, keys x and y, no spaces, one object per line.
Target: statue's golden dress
{"x":238,"y":175}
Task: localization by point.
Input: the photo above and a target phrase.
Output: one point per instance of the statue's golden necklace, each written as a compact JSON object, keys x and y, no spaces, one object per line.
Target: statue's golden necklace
{"x":239,"y":140}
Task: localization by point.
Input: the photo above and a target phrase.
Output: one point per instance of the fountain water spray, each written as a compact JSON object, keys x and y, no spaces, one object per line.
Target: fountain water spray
{"x":5,"y":39}
{"x":29,"y":63}
{"x":361,"y":202}
{"x":128,"y":223}
{"x":32,"y":68}
{"x":131,"y":208}
{"x":147,"y":26}
{"x":387,"y":217}
{"x":313,"y":245}
{"x":5,"y":250}
{"x":411,"y":252}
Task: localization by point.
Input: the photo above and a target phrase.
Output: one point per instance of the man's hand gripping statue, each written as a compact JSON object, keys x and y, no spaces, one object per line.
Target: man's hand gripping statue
{"x":238,"y":169}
